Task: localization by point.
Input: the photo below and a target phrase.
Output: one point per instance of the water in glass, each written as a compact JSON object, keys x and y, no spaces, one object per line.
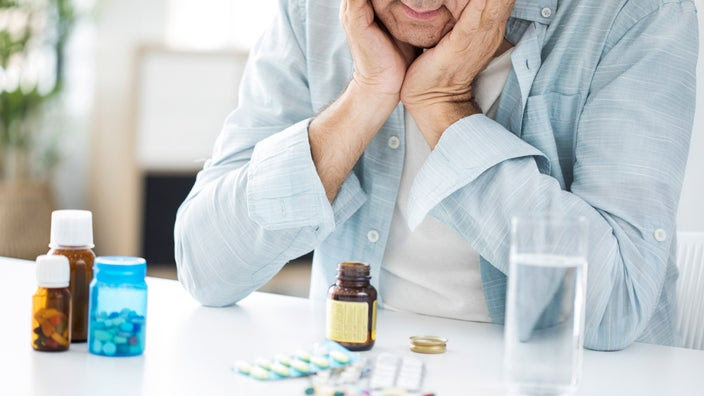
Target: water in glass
{"x":544,"y":323}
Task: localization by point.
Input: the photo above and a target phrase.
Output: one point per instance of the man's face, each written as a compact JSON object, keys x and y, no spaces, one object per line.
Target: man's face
{"x":421,"y":23}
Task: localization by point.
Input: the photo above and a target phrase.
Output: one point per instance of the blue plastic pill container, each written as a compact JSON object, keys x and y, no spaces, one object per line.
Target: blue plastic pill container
{"x":118,"y":306}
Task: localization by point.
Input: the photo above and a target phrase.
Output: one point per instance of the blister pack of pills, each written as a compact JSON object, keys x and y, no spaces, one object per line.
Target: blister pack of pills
{"x":394,"y":372}
{"x":322,"y":356}
{"x":385,"y":374}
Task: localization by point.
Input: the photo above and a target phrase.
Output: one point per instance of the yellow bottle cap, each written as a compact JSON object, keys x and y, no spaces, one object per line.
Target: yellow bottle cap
{"x":428,"y":344}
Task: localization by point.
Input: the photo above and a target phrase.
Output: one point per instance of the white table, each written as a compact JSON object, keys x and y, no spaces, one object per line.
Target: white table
{"x":190,"y":350}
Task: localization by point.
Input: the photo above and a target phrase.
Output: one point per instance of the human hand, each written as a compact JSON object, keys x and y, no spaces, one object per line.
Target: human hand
{"x":380,"y":61}
{"x":437,"y":89}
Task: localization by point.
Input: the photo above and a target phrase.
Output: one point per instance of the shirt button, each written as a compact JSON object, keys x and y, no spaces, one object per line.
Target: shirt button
{"x":394,"y":142}
{"x":660,"y":235}
{"x":373,"y":236}
{"x":546,"y":12}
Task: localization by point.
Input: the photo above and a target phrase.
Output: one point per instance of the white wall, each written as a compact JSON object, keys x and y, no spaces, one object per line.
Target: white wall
{"x":182,"y":97}
{"x":691,"y":211}
{"x":121,"y":25}
{"x":122,"y":28}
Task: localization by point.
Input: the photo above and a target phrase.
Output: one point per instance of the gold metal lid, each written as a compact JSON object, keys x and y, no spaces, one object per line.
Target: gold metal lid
{"x":428,"y":344}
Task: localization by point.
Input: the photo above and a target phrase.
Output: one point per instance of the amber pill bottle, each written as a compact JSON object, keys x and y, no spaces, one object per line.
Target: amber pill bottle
{"x":72,"y":237}
{"x":351,"y":308}
{"x":51,"y":305}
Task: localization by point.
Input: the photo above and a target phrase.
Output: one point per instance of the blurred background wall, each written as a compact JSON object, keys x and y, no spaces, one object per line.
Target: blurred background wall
{"x":154,"y":57}
{"x":147,"y":87}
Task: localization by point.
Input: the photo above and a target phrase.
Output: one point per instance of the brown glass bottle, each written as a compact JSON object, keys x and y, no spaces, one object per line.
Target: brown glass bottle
{"x":72,"y":237}
{"x":351,"y":308}
{"x":81,"y":262}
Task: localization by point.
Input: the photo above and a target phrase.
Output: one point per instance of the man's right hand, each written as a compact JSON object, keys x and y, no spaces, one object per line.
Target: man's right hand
{"x":380,"y":61}
{"x":341,"y":132}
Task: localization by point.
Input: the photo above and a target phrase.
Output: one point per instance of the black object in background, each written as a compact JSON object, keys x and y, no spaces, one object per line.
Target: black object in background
{"x":163,"y":194}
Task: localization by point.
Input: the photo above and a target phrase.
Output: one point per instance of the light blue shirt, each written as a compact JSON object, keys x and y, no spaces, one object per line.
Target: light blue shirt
{"x":594,"y":120}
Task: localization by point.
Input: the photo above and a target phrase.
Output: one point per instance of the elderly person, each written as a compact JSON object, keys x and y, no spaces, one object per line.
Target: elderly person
{"x":407,"y":133}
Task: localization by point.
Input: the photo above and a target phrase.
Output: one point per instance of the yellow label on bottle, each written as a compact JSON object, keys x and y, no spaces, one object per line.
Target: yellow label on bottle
{"x":347,"y":321}
{"x":374,"y":321}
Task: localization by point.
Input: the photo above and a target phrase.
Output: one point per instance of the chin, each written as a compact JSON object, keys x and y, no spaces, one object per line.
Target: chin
{"x":404,"y":27}
{"x":422,"y":42}
{"x":419,"y":38}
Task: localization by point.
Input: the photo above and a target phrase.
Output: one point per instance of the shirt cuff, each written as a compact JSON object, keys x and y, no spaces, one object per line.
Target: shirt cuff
{"x":349,"y":199}
{"x":283,"y":187}
{"x":285,"y":191}
{"x":466,"y":149}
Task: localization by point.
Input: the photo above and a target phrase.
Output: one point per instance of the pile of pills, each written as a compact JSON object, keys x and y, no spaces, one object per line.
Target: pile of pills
{"x":117,"y":333}
{"x":52,"y":329}
{"x":324,"y":356}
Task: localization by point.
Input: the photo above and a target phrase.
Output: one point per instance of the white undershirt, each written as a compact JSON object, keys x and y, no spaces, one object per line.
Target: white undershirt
{"x":432,"y":270}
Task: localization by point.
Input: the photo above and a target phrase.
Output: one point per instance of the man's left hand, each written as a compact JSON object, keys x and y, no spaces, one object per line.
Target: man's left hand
{"x":437,"y":89}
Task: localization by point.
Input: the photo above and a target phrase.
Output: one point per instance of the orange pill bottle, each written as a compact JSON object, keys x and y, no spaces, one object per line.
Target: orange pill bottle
{"x":51,"y":305}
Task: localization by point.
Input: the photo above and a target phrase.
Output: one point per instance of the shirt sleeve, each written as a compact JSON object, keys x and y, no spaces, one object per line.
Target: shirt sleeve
{"x":259,"y":202}
{"x":631,"y":147}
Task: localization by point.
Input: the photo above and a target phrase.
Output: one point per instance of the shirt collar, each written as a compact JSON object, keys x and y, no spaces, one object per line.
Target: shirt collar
{"x":542,"y":11}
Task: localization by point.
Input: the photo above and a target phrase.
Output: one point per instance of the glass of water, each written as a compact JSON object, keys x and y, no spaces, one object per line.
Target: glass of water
{"x":544,"y":330}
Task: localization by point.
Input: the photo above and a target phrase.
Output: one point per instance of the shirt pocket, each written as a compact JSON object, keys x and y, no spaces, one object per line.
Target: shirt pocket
{"x":550,"y":125}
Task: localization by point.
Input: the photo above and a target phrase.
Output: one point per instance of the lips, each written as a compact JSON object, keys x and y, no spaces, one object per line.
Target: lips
{"x":420,"y":15}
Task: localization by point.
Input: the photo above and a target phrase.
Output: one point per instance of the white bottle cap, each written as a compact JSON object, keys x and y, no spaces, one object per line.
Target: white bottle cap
{"x":71,"y":228}
{"x":53,"y":271}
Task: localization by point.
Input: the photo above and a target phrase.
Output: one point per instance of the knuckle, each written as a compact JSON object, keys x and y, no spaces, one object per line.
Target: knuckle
{"x":463,"y":32}
{"x":494,"y":14}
